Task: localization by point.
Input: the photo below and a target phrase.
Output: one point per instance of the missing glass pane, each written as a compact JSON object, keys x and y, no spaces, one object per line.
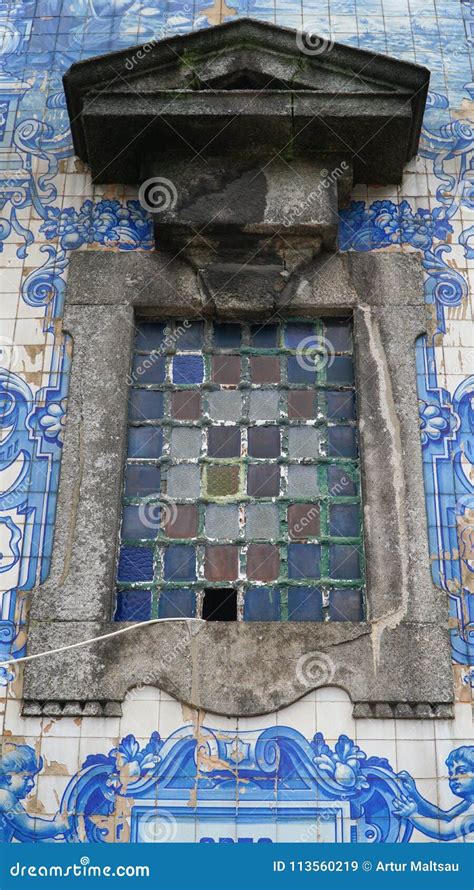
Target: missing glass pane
{"x":220,"y":604}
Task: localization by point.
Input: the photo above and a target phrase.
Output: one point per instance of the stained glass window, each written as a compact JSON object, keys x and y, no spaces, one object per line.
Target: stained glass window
{"x":241,"y":488}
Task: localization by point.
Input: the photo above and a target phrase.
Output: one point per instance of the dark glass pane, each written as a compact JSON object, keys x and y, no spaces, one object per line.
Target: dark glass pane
{"x":341,"y":405}
{"x":303,"y":561}
{"x":263,"y":480}
{"x":149,"y":336}
{"x":264,"y":441}
{"x":189,"y":336}
{"x":133,"y":605}
{"x":145,"y":404}
{"x":344,"y":561}
{"x":141,"y":522}
{"x":342,"y":441}
{"x":297,"y":333}
{"x":339,"y":333}
{"x":345,"y":605}
{"x":135,"y":564}
{"x":141,"y":480}
{"x":177,"y":603}
{"x":262,"y":604}
{"x":344,"y":520}
{"x":301,"y":369}
{"x":179,"y":563}
{"x":264,"y":336}
{"x":305,"y":604}
{"x":340,"y":483}
{"x":144,"y":441}
{"x":223,"y":441}
{"x":340,"y":370}
{"x":227,"y":336}
{"x":148,"y":369}
{"x":188,"y":369}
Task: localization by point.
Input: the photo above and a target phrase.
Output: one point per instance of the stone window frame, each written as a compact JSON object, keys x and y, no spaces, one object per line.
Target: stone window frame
{"x":395,"y":663}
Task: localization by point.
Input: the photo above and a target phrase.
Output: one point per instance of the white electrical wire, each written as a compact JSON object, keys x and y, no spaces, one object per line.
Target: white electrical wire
{"x":114,"y":633}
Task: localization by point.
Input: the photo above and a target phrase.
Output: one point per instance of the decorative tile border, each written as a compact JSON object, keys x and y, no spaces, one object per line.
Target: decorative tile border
{"x":210,"y":785}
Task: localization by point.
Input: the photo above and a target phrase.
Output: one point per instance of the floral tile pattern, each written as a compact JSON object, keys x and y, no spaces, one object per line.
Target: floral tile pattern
{"x":48,"y":209}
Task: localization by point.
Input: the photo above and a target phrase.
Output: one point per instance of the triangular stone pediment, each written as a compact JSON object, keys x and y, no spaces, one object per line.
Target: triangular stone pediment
{"x":341,"y":97}
{"x":266,"y":69}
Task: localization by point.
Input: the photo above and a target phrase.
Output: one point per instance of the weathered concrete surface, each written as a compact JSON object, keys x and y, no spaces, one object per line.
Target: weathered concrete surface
{"x":251,"y":196}
{"x":233,"y":668}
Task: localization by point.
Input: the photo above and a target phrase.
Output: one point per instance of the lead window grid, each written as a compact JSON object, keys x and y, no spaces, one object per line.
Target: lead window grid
{"x":280,"y":400}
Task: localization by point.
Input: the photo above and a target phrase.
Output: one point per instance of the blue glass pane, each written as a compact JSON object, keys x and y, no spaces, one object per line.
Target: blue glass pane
{"x":145,"y":441}
{"x":344,"y":561}
{"x":189,"y":337}
{"x":344,"y":520}
{"x":342,"y":441}
{"x":340,"y":483}
{"x":262,"y":604}
{"x":303,"y":560}
{"x":142,"y":479}
{"x":179,"y":563}
{"x":296,"y":332}
{"x":264,"y":336}
{"x":300,"y":369}
{"x":339,"y":334}
{"x":145,"y":404}
{"x":341,"y":405}
{"x":305,"y":604}
{"x":133,"y":605}
{"x":345,"y":605}
{"x":135,"y":564}
{"x":188,"y":369}
{"x":148,"y":369}
{"x":227,"y":336}
{"x":340,"y":370}
{"x":179,"y":603}
{"x":149,"y":336}
{"x":138,"y":522}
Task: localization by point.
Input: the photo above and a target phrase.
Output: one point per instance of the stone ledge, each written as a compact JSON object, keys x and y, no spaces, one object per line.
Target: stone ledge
{"x":403,"y":710}
{"x":52,"y":708}
{"x":231,"y":669}
{"x":361,"y":710}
